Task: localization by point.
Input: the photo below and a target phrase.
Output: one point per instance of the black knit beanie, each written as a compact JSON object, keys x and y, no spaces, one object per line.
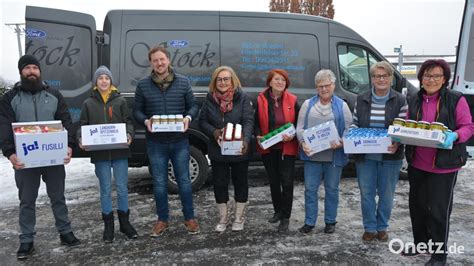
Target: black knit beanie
{"x":27,"y":60}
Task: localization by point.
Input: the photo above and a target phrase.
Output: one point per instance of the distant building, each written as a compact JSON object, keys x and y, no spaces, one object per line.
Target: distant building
{"x":412,"y":63}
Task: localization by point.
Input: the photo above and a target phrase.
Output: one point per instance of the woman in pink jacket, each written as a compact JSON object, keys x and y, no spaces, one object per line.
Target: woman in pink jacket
{"x":432,"y":172}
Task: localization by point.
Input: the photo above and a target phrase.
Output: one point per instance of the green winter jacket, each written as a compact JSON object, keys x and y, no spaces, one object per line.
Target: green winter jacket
{"x":95,"y":111}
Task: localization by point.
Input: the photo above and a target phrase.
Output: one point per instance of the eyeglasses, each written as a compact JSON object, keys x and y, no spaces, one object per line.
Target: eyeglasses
{"x":435,"y":77}
{"x":223,"y":80}
{"x":326,"y":86}
{"x":379,"y":77}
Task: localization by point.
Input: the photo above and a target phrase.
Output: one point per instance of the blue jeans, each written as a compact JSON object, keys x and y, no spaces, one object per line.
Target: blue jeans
{"x":159,"y":153}
{"x":377,"y":178}
{"x":313,"y":172}
{"x":104,"y":174}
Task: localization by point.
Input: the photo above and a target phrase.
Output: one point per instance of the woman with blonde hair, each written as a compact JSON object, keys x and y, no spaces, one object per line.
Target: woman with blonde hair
{"x":227,"y":103}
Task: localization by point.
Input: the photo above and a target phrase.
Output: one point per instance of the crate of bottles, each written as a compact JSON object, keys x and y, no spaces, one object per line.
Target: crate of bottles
{"x":275,"y":136}
{"x":367,"y":140}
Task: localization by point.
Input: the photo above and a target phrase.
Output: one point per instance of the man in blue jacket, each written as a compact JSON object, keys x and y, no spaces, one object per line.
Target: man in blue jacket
{"x":165,"y":92}
{"x":32,"y":100}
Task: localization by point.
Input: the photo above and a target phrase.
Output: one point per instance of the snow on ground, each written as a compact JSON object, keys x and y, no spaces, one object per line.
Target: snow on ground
{"x":258,"y":244}
{"x":78,"y":176}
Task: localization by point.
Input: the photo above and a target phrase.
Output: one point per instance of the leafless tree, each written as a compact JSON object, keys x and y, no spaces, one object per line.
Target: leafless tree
{"x":323,"y":8}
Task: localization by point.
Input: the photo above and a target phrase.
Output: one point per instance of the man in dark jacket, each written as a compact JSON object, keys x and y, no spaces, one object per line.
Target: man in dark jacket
{"x":32,"y":100}
{"x":165,"y":92}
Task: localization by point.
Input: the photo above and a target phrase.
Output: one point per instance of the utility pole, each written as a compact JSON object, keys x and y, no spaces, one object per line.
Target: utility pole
{"x":400,"y":59}
{"x":19,"y":31}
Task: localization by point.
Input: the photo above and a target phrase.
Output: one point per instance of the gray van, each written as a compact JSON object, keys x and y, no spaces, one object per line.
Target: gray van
{"x":70,"y":49}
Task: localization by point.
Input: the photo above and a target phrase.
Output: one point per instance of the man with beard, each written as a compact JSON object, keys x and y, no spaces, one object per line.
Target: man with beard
{"x":166,"y":92}
{"x":31,"y":100}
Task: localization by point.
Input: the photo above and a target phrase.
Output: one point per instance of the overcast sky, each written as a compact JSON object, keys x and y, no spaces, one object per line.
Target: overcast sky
{"x":424,"y":27}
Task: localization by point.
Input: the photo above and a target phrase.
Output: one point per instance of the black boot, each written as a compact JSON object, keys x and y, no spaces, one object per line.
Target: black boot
{"x":25,"y":250}
{"x":276,"y":218}
{"x":283,"y":226}
{"x":125,"y":226}
{"x":108,"y":235}
{"x":69,"y":239}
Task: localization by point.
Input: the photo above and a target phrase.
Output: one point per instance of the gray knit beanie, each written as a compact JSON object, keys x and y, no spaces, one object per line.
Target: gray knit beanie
{"x":102,"y":70}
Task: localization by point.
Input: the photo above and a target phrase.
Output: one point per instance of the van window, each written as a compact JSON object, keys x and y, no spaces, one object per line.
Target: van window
{"x":194,"y":54}
{"x":354,"y":65}
{"x":65,"y":54}
{"x":253,"y":54}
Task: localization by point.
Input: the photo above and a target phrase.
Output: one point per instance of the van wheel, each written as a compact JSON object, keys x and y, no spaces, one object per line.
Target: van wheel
{"x":404,"y":170}
{"x":198,"y":168}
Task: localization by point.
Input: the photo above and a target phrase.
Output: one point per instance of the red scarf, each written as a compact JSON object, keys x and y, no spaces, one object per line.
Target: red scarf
{"x":224,"y":99}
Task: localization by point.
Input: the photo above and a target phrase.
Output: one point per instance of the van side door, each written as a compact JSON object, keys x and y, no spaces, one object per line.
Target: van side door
{"x":464,"y":72}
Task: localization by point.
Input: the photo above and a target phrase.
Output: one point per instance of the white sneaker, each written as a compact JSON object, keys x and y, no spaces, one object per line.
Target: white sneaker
{"x":238,"y":226}
{"x":221,"y":227}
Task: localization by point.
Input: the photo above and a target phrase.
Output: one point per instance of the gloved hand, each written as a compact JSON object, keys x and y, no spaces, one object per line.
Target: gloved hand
{"x":451,"y":137}
{"x":396,"y":139}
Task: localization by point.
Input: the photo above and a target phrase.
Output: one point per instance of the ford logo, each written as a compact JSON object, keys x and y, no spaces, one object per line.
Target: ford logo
{"x":34,"y":33}
{"x":178,"y":43}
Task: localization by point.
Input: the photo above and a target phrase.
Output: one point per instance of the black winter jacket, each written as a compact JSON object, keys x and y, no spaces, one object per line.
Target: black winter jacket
{"x":393,"y":106}
{"x":212,"y":118}
{"x":95,"y":111}
{"x":18,"y":105}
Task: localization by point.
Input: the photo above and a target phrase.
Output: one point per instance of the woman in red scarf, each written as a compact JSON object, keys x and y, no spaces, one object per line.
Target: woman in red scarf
{"x":227,"y":103}
{"x":276,"y":107}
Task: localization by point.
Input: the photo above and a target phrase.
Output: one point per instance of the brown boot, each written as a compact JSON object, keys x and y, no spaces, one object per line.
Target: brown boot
{"x":382,"y":236}
{"x":158,"y":228}
{"x":368,"y":236}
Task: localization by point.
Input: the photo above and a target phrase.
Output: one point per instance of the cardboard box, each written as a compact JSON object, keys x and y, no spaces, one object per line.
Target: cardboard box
{"x":358,"y":145}
{"x":104,"y":137}
{"x":166,"y":126}
{"x":417,"y":136}
{"x":41,"y":148}
{"x":230,"y":147}
{"x":319,"y":138}
{"x":291,"y":131}
{"x":233,"y":147}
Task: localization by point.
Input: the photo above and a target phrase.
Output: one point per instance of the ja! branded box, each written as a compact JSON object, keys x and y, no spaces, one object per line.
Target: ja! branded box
{"x":319,"y":137}
{"x":417,"y":136}
{"x":40,"y":144}
{"x":170,"y":125}
{"x":366,"y":140}
{"x":104,"y":137}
